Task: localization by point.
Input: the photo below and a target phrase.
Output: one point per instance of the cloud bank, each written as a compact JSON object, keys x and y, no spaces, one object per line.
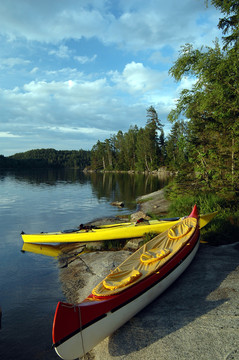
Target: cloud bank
{"x":72,"y":74}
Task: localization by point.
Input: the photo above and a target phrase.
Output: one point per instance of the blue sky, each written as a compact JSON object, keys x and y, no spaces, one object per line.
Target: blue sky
{"x":76,"y":71}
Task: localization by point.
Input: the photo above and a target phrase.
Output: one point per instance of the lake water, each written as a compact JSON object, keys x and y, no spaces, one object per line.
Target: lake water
{"x":48,"y":201}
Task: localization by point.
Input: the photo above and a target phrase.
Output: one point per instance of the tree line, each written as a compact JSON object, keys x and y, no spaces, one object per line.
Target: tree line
{"x":47,"y":158}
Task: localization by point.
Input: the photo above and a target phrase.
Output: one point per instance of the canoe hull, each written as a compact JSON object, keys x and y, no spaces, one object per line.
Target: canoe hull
{"x":82,"y":342}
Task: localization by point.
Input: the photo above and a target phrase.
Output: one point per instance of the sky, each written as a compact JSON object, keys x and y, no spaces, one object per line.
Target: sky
{"x":73,"y":72}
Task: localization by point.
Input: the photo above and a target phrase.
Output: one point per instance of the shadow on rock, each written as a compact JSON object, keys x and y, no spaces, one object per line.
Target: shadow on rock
{"x":198,"y":291}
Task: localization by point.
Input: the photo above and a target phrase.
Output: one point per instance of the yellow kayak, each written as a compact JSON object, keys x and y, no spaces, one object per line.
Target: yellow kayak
{"x":110,"y":232}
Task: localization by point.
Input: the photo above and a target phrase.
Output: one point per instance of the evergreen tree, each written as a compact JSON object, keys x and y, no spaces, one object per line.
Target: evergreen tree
{"x":177,"y":146}
{"x":141,"y":152}
{"x":119,"y":144}
{"x":98,"y":156}
{"x":230,"y":22}
{"x":130,"y":147}
{"x":151,"y":150}
{"x":212,"y":106}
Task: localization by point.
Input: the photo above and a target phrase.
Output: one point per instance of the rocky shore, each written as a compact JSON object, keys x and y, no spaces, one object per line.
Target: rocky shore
{"x":196,"y":318}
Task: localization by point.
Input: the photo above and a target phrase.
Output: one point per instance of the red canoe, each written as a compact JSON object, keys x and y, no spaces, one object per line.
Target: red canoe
{"x":126,"y":290}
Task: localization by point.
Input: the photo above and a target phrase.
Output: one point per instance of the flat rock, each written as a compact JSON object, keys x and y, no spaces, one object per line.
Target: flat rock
{"x":155,"y":203}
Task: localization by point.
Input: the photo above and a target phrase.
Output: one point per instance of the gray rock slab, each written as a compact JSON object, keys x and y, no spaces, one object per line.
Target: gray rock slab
{"x":155,"y":203}
{"x":197,"y":318}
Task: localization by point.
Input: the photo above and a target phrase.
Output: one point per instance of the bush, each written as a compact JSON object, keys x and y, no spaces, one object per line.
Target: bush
{"x":224,"y":228}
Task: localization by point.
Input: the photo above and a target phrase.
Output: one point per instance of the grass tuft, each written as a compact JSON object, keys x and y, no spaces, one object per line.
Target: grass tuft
{"x":224,"y":228}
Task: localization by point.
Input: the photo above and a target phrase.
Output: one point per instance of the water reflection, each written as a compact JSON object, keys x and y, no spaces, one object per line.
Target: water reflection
{"x":123,"y":187}
{"x":54,"y":250}
{"x":47,"y":176}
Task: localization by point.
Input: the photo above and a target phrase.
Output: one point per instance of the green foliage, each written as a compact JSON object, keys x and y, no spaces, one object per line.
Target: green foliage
{"x":212,"y":107}
{"x":147,"y":237}
{"x":206,"y":202}
{"x":137,"y":149}
{"x":149,"y":149}
{"x":177,"y":146}
{"x":113,"y":244}
{"x":6,"y":163}
{"x":230,"y":22}
{"x":47,"y":158}
{"x":224,"y":228}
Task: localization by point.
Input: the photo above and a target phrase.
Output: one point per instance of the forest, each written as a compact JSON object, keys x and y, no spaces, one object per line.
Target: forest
{"x":203,"y":145}
{"x":47,"y":158}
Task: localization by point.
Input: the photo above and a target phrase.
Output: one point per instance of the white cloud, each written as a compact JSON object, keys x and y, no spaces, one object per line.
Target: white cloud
{"x":77,"y":130}
{"x":186,"y":83}
{"x":62,"y":52}
{"x":59,"y":103}
{"x":154,"y":24}
{"x":34,"y":70}
{"x":78,"y":108}
{"x":12,"y":62}
{"x":85,"y":59}
{"x":138,"y":78}
{"x":7,"y":134}
{"x":141,"y":25}
{"x":50,"y":21}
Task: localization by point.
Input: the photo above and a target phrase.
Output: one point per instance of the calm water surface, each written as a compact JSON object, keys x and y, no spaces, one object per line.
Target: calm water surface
{"x":29,"y":285}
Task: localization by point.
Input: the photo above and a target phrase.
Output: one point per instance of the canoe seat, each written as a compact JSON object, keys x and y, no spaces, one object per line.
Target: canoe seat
{"x":154,"y":255}
{"x":178,"y":231}
{"x":120,"y":279}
